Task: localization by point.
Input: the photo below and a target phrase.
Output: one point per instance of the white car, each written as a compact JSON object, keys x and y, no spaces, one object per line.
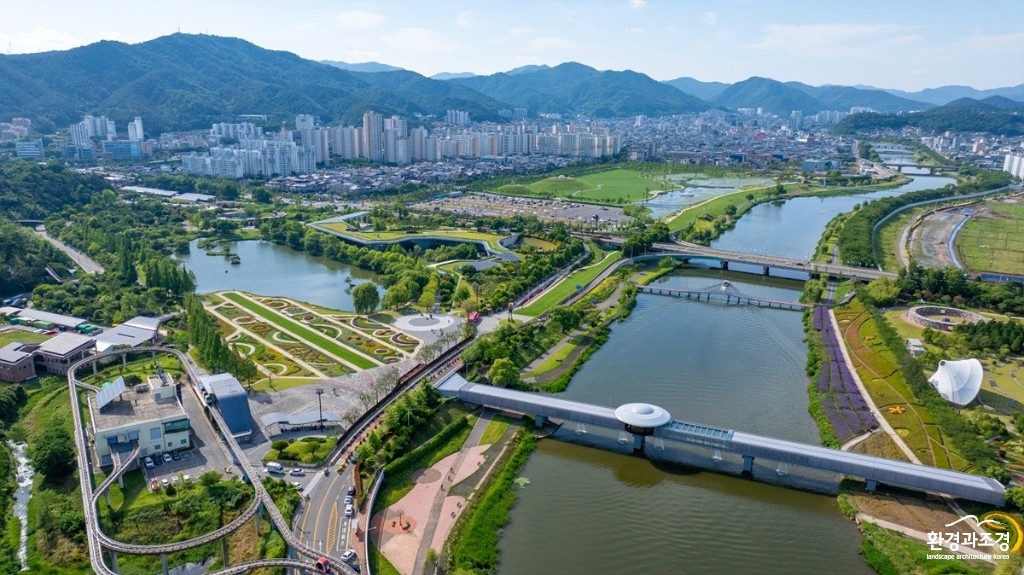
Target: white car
{"x":168,"y":458}
{"x":298,"y":486}
{"x":148,"y":462}
{"x":348,"y":555}
{"x":298,"y":472}
{"x":349,"y":511}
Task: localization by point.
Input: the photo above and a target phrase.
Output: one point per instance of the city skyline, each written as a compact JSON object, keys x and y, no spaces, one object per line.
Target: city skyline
{"x":908,"y":45}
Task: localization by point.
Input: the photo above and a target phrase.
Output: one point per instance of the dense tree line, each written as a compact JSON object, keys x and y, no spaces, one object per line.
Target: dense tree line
{"x":501,"y":284}
{"x":1003,"y":337}
{"x":29,"y":190}
{"x":951,"y":286}
{"x":944,"y":118}
{"x":209,"y":345}
{"x":25,"y":257}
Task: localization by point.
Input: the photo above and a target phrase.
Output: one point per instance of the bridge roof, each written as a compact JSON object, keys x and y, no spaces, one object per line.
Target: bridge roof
{"x":888,"y":471}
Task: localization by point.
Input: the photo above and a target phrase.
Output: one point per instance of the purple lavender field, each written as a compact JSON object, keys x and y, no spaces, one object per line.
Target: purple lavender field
{"x":840,"y":399}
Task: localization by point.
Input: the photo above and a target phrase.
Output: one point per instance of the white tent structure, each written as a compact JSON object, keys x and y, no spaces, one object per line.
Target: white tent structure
{"x":958,"y":381}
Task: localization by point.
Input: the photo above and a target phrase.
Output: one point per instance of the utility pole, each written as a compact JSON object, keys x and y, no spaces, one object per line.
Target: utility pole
{"x":320,"y":404}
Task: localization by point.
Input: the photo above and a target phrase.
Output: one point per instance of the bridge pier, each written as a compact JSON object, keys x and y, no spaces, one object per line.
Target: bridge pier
{"x":538,"y":421}
{"x":163,"y":562}
{"x":748,"y":464}
{"x":764,"y":270}
{"x":224,"y":549}
{"x":113,"y":562}
{"x":725,"y":265}
{"x":872,"y":485}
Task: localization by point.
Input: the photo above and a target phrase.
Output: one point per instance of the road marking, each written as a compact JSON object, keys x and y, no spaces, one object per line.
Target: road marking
{"x":332,"y":525}
{"x":316,"y":524}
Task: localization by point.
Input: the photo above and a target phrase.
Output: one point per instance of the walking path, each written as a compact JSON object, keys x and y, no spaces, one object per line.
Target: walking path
{"x":882,"y":421}
{"x":921,"y":536}
{"x":422,"y":519}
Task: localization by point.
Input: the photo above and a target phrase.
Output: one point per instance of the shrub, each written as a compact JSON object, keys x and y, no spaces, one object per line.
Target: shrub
{"x":279,"y":445}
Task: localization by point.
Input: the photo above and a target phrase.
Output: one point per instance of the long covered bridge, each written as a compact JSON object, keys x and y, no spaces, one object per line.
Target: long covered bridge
{"x":638,"y":421}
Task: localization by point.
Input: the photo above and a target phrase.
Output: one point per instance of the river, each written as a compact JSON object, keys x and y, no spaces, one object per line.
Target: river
{"x":270,"y":269}
{"x":23,"y":475}
{"x":587,"y":511}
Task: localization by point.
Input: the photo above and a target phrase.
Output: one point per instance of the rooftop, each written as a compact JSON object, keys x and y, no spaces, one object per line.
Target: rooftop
{"x":133,"y":407}
{"x":143,"y":322}
{"x":65,"y":321}
{"x":65,"y":343}
{"x":11,"y":353}
{"x":122,"y":335}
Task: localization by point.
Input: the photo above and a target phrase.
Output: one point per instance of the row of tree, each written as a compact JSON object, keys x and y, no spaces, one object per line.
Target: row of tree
{"x":211,"y":349}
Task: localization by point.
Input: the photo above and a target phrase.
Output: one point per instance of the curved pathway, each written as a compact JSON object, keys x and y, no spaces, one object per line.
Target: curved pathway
{"x":242,"y":329}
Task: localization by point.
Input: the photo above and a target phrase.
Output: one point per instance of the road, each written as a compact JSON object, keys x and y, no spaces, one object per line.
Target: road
{"x":84,"y":262}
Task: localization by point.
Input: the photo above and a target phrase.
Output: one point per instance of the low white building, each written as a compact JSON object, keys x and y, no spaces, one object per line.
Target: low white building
{"x":150,"y":414}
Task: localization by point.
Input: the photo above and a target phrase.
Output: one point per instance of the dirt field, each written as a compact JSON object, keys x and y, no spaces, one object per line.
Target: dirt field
{"x":928,"y":242}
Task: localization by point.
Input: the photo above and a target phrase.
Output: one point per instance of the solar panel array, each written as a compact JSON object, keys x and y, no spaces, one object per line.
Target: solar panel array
{"x":109,"y":391}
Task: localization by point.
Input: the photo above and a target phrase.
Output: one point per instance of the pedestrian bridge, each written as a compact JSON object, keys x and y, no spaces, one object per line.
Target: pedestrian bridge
{"x":638,"y":422}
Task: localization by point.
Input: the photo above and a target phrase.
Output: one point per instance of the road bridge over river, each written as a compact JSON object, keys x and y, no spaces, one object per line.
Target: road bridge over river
{"x":686,"y":250}
{"x":636,"y":423}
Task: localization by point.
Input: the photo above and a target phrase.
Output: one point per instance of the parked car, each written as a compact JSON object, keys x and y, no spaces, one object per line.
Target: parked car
{"x":348,"y":500}
{"x":298,"y":486}
{"x":176,"y":456}
{"x":351,"y":489}
{"x":350,"y":511}
{"x":148,"y":462}
{"x":168,"y":458}
{"x":348,"y":555}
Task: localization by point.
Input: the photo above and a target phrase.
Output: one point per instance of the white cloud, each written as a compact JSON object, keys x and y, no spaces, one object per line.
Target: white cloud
{"x":635,"y":30}
{"x":465,"y":19}
{"x":638,"y":4}
{"x":992,"y":42}
{"x":710,"y":18}
{"x":360,"y":19}
{"x":833,"y":39}
{"x":37,"y":40}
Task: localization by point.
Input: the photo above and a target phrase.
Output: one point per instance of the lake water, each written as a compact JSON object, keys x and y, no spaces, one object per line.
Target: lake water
{"x":270,"y":269}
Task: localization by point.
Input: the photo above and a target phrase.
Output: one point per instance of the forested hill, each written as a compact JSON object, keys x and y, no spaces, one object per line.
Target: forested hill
{"x":32,"y":191}
{"x":186,"y":81}
{"x":963,"y":115}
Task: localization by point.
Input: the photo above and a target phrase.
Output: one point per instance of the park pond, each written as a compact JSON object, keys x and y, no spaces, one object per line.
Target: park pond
{"x":696,"y":188}
{"x":270,"y":269}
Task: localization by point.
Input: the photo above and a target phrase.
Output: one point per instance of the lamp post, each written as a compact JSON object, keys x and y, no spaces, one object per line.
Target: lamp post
{"x":320,"y":404}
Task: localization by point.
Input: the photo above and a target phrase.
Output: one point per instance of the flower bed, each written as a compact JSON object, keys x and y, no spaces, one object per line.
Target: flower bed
{"x":840,"y":398}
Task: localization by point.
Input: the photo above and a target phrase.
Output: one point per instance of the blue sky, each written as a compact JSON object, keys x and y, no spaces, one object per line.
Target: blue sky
{"x":905,"y":44}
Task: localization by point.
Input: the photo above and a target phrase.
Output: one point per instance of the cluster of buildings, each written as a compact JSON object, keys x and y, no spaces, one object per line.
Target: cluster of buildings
{"x":15,"y":129}
{"x":1014,"y":164}
{"x":388,"y":140}
{"x":84,"y":135}
{"x":73,"y":339}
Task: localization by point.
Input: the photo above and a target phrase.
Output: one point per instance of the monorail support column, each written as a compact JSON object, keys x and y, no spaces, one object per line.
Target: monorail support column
{"x":872,"y":485}
{"x":163,"y":561}
{"x":124,"y":359}
{"x":256,"y":521}
{"x":764,"y":270}
{"x":748,"y":464}
{"x":224,"y":549}
{"x":538,"y":421}
{"x":113,"y":562}
{"x":95,"y":369}
{"x":725,"y":265}
{"x":638,"y":443}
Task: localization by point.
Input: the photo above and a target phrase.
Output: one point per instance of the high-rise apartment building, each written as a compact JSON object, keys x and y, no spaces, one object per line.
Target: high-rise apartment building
{"x":373,"y":136}
{"x":135,"y":129}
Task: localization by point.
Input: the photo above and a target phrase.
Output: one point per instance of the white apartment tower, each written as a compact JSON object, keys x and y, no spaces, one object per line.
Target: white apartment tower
{"x":135,"y":129}
{"x":373,"y":136}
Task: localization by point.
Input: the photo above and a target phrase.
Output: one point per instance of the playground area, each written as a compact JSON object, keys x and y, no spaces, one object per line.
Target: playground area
{"x":294,"y":343}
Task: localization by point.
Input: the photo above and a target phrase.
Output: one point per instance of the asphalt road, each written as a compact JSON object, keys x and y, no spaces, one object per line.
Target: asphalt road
{"x":87,"y":264}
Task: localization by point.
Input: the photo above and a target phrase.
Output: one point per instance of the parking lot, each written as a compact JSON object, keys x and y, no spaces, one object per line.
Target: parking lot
{"x":549,"y":210}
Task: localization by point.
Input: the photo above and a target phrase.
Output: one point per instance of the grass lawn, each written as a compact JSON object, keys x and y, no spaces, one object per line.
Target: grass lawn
{"x":580,"y":277}
{"x":22,"y":336}
{"x":713,"y":207}
{"x":468,"y":235}
{"x":297,"y":329}
{"x":306,"y":450}
{"x":496,"y":429}
{"x":628,"y":185}
{"x":555,"y":359}
{"x":994,"y":241}
{"x":540,"y":244}
{"x":283,"y":383}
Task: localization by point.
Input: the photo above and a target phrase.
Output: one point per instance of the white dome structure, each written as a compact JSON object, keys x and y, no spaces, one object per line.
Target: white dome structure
{"x":958,"y":381}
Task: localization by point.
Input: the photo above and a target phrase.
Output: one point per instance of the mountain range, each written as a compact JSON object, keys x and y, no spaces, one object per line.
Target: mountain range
{"x":187,"y":81}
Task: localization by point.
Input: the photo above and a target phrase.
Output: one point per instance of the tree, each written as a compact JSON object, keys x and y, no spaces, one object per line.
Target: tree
{"x":53,"y":452}
{"x":365,"y":298}
{"x":503,"y":373}
{"x":568,"y":318}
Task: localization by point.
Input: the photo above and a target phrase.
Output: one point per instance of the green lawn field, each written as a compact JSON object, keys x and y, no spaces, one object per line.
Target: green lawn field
{"x":580,"y":277}
{"x":22,"y":336}
{"x":994,"y":241}
{"x":490,"y":239}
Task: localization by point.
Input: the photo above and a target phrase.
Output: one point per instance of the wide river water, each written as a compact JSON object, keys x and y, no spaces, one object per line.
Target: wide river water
{"x":587,"y":510}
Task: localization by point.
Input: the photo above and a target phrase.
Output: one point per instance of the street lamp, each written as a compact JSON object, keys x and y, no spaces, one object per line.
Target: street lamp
{"x":320,"y":404}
